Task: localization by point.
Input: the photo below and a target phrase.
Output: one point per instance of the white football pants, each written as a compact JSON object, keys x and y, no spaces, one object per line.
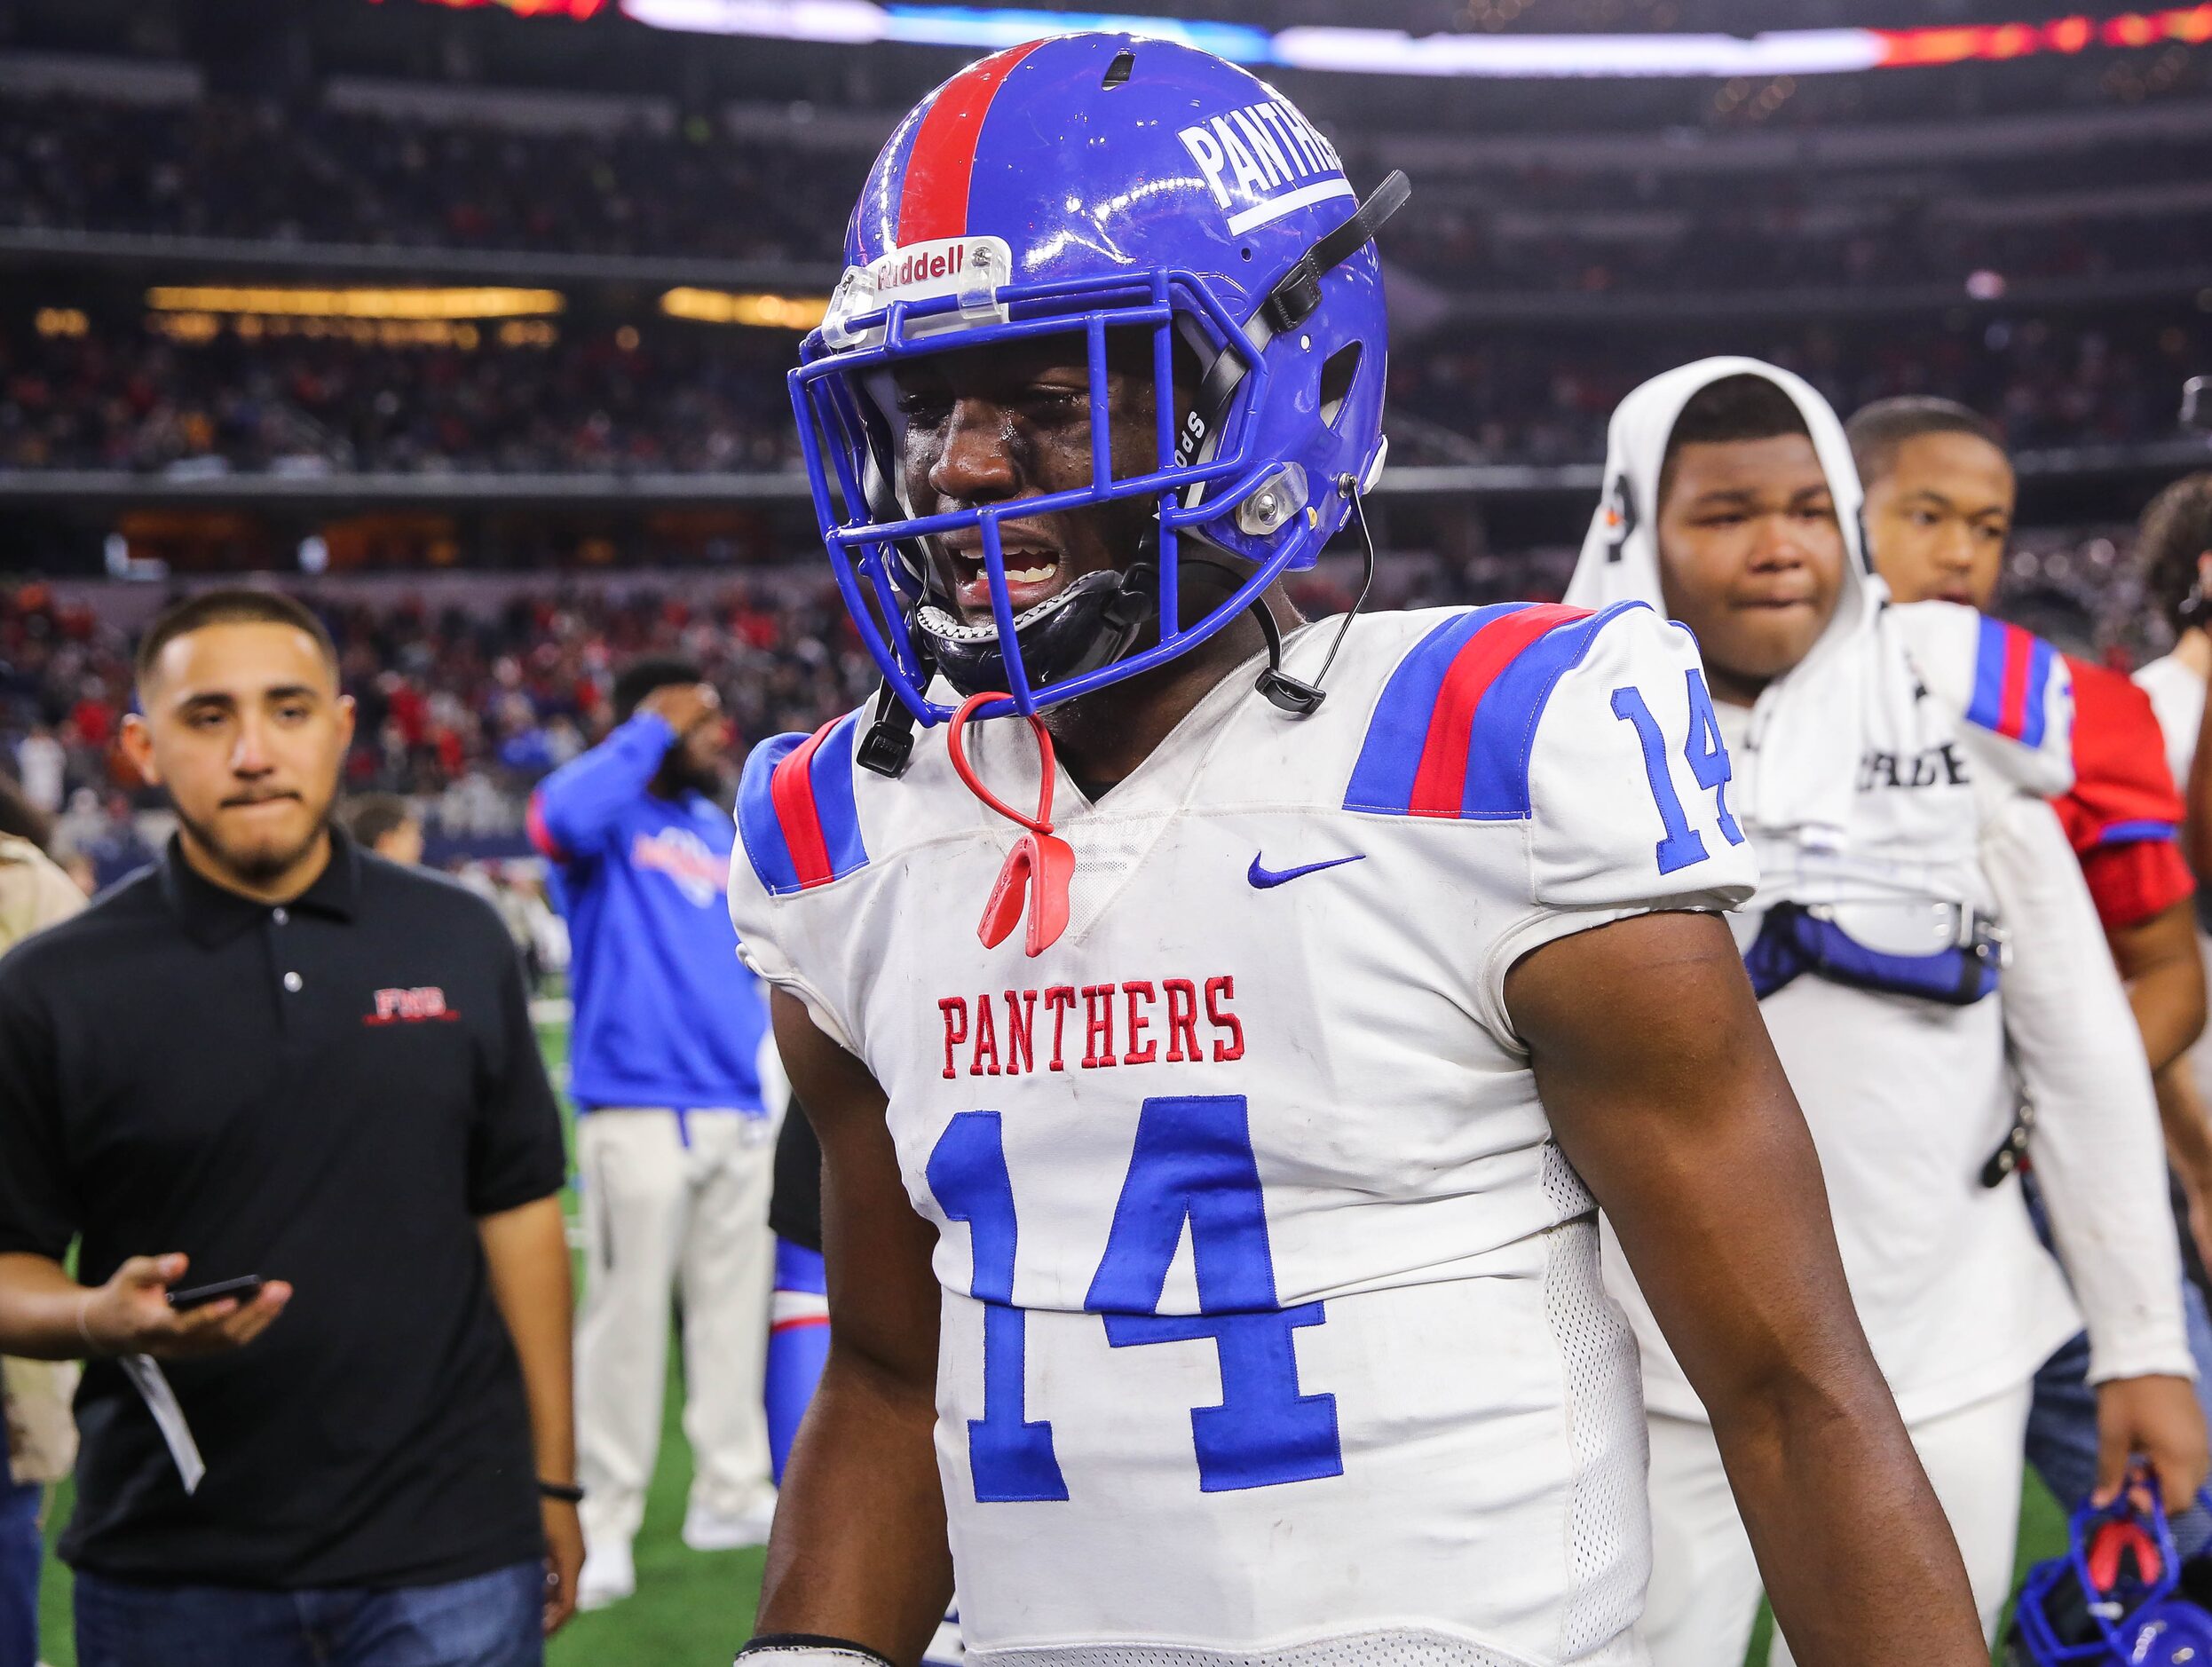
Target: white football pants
{"x":1705,"y":1585}
{"x":660,"y":1216}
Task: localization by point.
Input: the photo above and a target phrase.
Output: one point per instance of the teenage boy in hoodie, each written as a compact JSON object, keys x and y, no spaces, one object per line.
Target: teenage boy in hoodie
{"x":674,"y":1143}
{"x":1899,"y":842}
{"x":1939,"y":497}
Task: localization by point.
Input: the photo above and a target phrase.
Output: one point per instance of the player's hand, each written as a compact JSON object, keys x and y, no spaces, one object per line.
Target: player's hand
{"x":2155,"y":1419}
{"x":683,"y":706}
{"x":131,"y":1314}
{"x":564,"y":1561}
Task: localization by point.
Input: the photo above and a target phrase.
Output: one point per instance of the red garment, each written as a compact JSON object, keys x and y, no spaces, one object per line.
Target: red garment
{"x":2123,"y":816}
{"x":95,"y":720}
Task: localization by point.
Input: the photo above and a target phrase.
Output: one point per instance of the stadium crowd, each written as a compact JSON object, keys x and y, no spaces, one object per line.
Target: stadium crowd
{"x":690,"y":400}
{"x":223,"y":168}
{"x":139,"y":402}
{"x":459,"y":711}
{"x":217,"y":168}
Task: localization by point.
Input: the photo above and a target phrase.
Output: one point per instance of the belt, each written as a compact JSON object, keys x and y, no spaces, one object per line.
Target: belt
{"x":1796,"y":938}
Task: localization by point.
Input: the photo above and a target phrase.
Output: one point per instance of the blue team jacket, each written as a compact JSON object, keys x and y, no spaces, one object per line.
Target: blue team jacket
{"x":666,"y":1013}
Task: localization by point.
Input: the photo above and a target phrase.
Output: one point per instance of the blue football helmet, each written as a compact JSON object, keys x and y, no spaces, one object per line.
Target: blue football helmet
{"x":1076,"y":185}
{"x":2115,"y":1599}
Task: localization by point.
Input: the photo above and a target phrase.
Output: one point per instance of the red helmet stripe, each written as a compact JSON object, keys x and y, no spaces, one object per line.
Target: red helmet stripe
{"x":934,"y":202}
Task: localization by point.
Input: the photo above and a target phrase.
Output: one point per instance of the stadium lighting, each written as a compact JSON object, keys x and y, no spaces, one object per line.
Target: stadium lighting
{"x":765,"y":312}
{"x":356,"y":303}
{"x":1451,"y":54}
{"x":577,"y":9}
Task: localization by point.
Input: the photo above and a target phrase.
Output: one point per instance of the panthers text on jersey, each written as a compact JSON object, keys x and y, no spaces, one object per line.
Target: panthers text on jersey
{"x":1271,"y":1322}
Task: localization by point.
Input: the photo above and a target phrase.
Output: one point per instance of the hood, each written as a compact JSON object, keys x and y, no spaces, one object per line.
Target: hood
{"x":1620,"y":554}
{"x":1794,"y":773}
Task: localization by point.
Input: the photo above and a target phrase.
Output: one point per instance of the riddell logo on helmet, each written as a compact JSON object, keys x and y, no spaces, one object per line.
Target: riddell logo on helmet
{"x":939,"y":268}
{"x":901,"y":267}
{"x":1268,"y":155}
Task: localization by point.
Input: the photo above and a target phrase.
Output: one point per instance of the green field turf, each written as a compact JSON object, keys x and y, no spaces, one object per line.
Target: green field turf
{"x":693,"y":1608}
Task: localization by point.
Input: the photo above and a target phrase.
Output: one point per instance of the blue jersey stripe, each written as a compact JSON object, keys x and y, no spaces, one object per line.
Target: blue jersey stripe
{"x":1505,"y":722}
{"x":1391,"y":755}
{"x":2145,"y":833}
{"x":765,"y":847}
{"x":832,"y":773}
{"x":1986,"y":707}
{"x":2038,"y":661}
{"x":830,"y":778}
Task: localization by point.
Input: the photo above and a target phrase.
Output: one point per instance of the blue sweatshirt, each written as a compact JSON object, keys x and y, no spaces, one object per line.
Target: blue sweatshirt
{"x":666,"y":1013}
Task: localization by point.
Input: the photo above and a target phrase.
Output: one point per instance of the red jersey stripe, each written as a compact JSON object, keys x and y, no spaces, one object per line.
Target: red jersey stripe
{"x":934,"y":201}
{"x":2012,"y":704}
{"x":1441,"y":783}
{"x":791,"y":789}
{"x":541,"y":836}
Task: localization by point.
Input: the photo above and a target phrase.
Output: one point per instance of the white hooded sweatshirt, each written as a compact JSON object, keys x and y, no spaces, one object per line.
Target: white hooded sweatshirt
{"x":1874,"y":792}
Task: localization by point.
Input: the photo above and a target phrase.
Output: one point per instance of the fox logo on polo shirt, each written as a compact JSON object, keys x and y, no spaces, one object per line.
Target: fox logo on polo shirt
{"x":410,"y":1006}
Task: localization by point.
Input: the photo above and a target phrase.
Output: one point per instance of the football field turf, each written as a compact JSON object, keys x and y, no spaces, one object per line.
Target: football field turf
{"x":693,"y":1608}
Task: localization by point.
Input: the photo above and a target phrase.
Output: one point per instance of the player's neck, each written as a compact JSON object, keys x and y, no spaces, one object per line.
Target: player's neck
{"x":1102,"y":738}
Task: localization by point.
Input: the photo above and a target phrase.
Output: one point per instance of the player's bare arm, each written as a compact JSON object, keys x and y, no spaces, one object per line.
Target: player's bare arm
{"x":2164,"y":971}
{"x":2196,"y":793}
{"x":2160,"y":965}
{"x":1663,"y":1088}
{"x":859,"y":1547}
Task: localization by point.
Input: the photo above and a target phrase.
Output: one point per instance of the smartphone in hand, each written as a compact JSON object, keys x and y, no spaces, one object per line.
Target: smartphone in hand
{"x":245,"y":1287}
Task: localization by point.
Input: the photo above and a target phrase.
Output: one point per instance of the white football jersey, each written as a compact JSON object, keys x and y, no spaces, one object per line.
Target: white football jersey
{"x":1272,"y":1322}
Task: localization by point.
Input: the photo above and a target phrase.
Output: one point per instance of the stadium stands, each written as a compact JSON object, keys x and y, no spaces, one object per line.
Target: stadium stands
{"x":693,"y":400}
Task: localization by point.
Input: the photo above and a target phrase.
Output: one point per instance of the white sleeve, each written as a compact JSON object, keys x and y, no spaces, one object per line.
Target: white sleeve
{"x":2099,"y":1155}
{"x":763,"y":921}
{"x":2011,"y":688}
{"x":1628,"y":784}
{"x":759,"y":952}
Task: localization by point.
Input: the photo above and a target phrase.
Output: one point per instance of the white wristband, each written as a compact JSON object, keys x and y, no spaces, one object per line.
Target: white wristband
{"x":803,"y":1649}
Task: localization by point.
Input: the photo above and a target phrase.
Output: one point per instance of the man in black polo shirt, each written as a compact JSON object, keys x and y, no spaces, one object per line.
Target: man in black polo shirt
{"x":272,"y":1054}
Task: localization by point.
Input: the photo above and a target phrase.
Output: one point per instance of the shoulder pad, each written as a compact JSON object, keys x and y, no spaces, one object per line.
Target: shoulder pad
{"x":2010,"y":686}
{"x":795,"y":814}
{"x":1452,"y":732}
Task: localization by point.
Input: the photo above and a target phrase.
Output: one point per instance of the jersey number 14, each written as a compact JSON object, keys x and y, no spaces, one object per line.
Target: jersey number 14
{"x":1193,"y":1162}
{"x":1707,"y":758}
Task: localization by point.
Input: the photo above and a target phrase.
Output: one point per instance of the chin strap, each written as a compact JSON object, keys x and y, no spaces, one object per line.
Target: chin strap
{"x":1297,"y":292}
{"x":889,"y":742}
{"x":1295,"y":695}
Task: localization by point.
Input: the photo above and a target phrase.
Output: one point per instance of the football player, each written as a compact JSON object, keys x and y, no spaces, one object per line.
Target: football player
{"x":1940,"y":492}
{"x":1881,"y":791}
{"x":2173,"y":557}
{"x":1212,"y":1260}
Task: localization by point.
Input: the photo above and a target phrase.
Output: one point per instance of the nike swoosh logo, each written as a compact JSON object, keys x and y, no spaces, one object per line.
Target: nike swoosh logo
{"x":1264,"y":878}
